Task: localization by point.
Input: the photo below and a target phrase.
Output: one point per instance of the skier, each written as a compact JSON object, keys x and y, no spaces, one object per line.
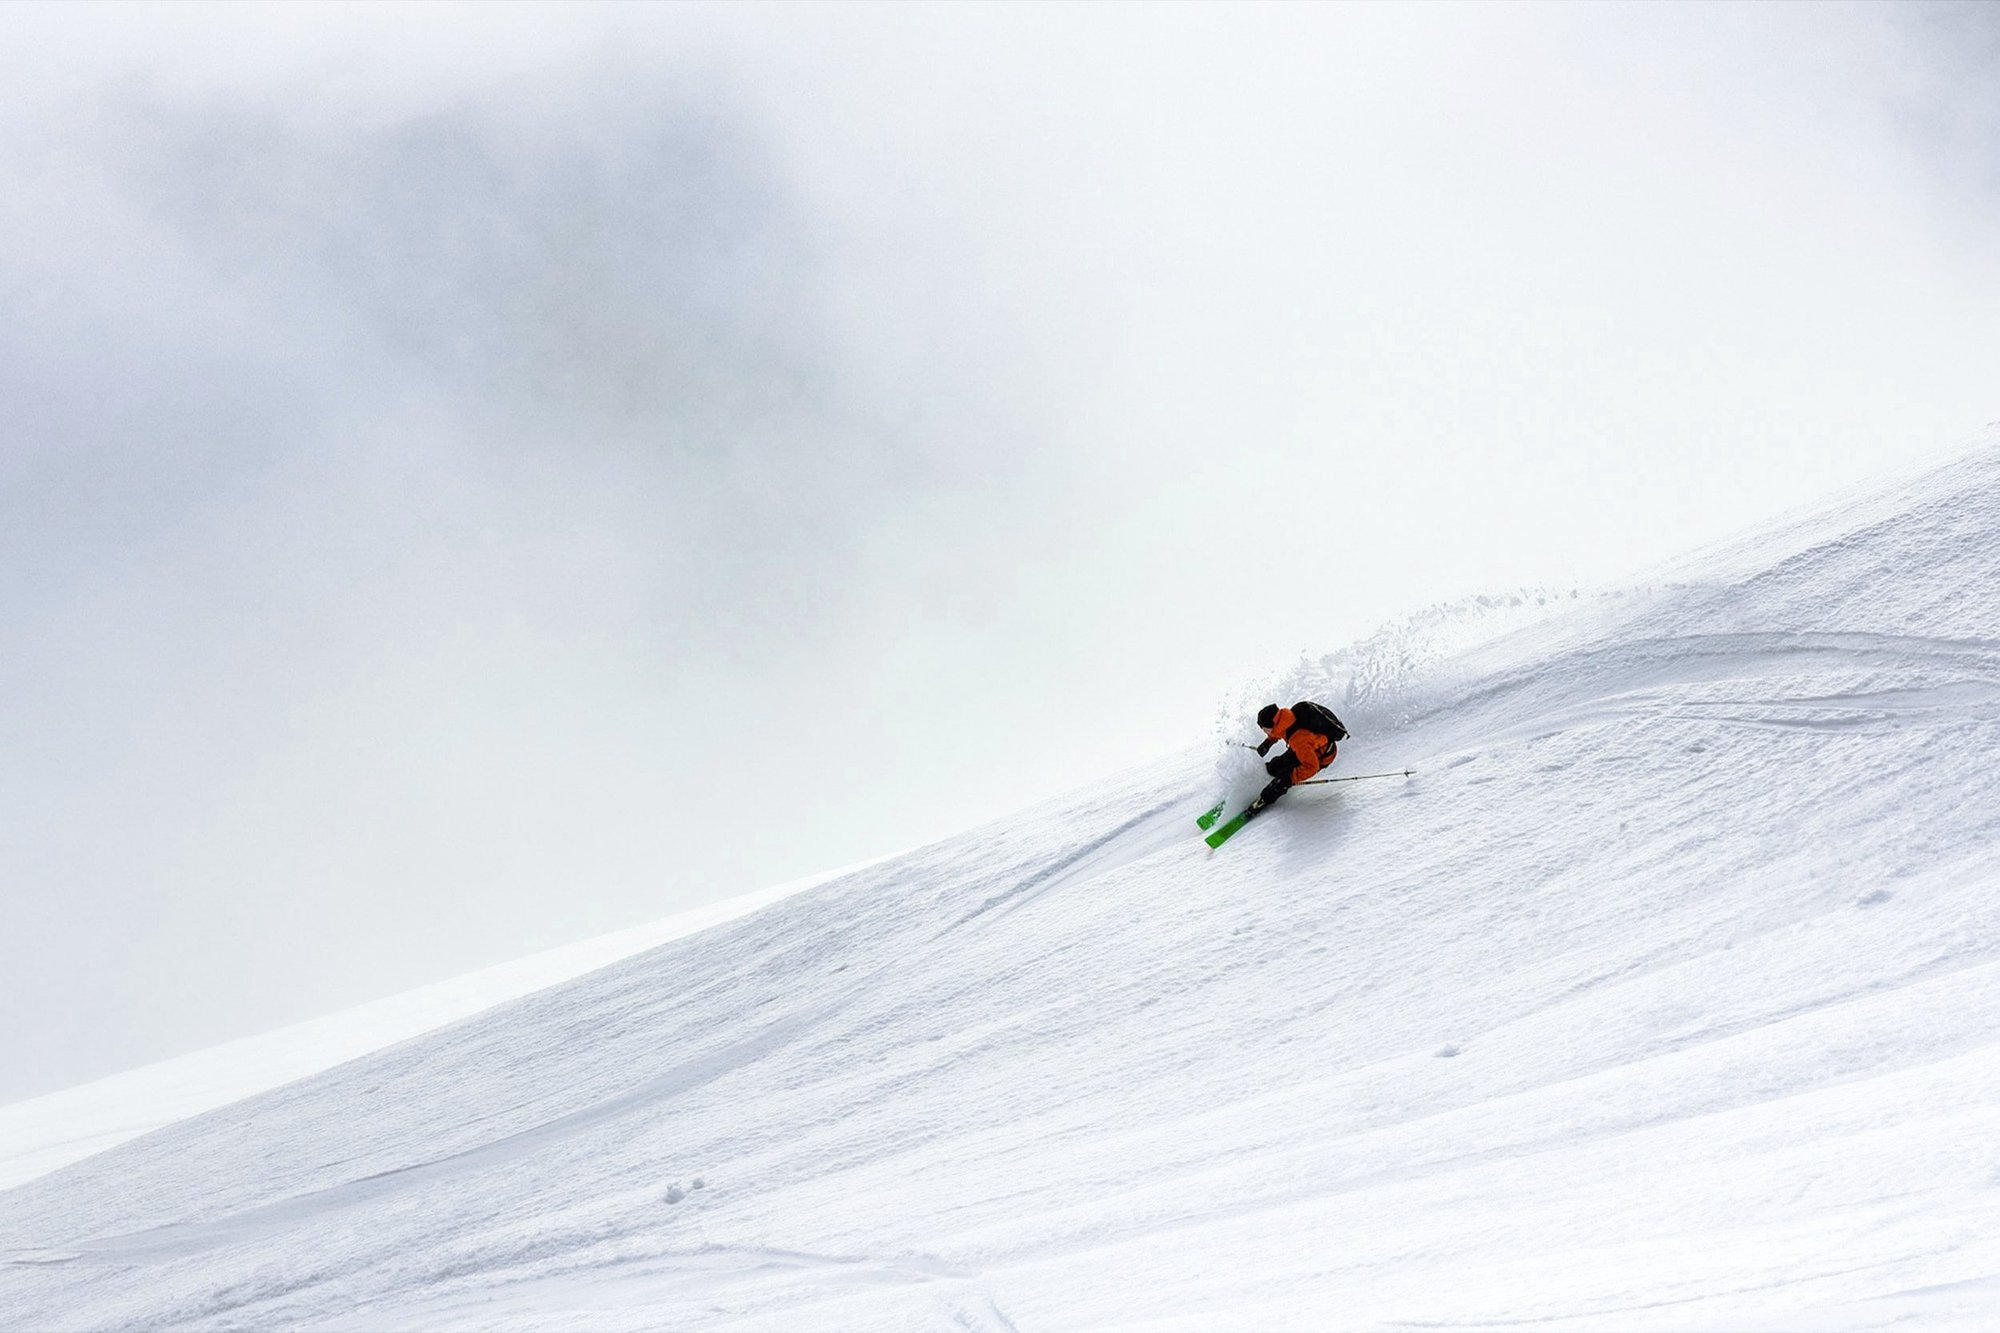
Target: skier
{"x":1311,"y":735}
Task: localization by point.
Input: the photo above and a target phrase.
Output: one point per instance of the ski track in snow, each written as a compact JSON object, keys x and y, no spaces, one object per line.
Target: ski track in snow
{"x":1665,"y":996}
{"x":1165,"y":824}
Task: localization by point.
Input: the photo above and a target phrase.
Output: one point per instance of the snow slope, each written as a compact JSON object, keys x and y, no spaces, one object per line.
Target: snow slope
{"x":1666,"y":997}
{"x":41,"y":1134}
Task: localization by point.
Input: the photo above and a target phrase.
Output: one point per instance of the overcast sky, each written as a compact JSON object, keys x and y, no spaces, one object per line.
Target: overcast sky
{"x":475,"y":477}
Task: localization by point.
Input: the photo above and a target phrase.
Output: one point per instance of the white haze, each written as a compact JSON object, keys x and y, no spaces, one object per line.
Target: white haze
{"x":473,"y":477}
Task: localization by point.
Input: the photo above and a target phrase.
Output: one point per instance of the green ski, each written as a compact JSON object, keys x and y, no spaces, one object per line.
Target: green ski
{"x":1229,"y":830}
{"x":1208,"y":819}
{"x":1223,"y":834}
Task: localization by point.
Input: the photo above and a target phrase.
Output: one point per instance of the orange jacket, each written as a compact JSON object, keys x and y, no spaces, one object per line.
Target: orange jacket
{"x":1314,"y":751}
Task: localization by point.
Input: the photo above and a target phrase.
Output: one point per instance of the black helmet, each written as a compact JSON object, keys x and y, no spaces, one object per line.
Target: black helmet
{"x":1267,"y":715}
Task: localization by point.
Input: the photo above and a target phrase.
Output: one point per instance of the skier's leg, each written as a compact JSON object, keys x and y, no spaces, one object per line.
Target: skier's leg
{"x":1283,"y":768}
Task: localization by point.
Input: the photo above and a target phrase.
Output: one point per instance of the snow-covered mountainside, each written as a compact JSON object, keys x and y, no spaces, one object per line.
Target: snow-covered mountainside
{"x":43,"y":1133}
{"x":1667,"y":995}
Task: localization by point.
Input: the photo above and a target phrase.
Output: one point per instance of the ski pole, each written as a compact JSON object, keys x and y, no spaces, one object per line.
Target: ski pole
{"x":1363,"y":777}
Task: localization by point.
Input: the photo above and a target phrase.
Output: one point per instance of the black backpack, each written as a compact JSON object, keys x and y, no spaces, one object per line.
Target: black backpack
{"x":1315,"y":717}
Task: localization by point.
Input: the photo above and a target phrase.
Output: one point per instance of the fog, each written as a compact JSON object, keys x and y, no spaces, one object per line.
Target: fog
{"x":474,"y":477}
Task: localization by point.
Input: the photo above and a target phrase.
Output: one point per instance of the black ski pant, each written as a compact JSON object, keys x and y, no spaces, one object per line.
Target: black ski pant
{"x":1281,"y":770}
{"x":1273,"y":789}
